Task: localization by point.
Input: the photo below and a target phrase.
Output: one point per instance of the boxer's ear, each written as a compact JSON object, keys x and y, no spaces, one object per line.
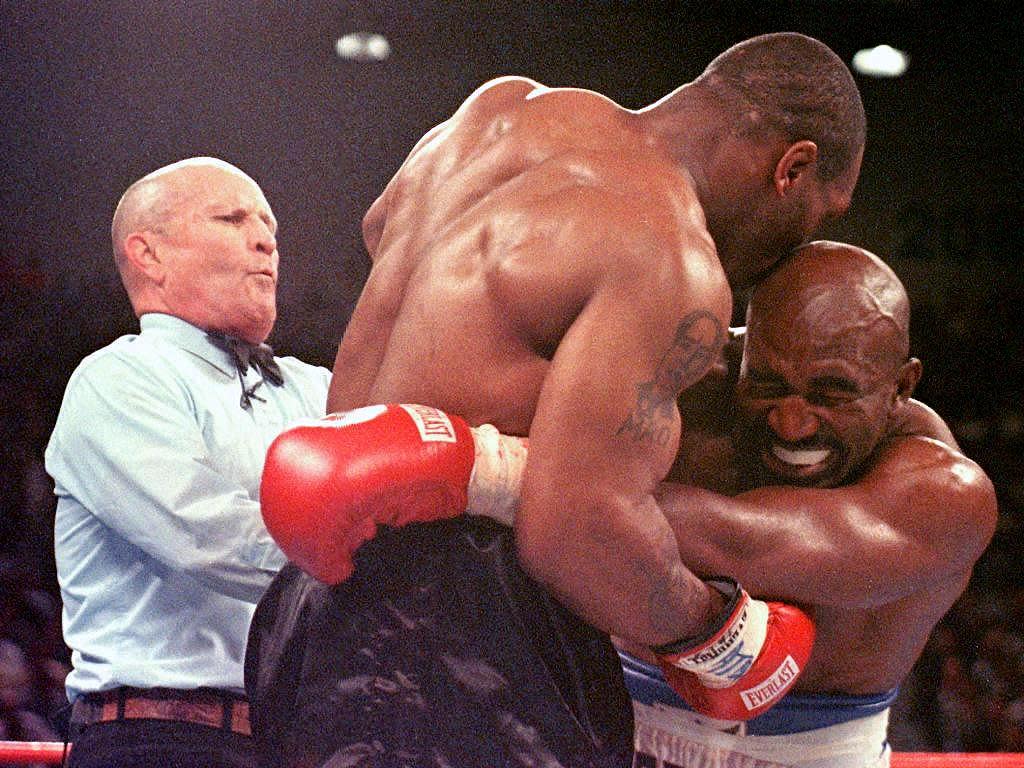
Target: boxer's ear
{"x":798,"y":159}
{"x":907,"y":378}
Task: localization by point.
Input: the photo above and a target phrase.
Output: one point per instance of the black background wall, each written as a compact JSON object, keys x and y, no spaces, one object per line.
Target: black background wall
{"x":96,"y":94}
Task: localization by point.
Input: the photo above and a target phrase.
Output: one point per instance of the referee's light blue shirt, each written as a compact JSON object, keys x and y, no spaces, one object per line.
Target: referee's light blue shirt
{"x":161,"y":550}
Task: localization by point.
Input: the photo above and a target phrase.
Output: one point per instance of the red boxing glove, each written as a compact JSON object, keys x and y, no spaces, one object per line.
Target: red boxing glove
{"x":747,"y":664}
{"x":328,"y":483}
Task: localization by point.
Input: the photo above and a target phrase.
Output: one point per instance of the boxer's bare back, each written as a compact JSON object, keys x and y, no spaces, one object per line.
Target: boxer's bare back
{"x":490,"y":239}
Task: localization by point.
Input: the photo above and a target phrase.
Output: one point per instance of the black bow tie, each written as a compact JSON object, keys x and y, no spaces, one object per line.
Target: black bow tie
{"x":244,"y":354}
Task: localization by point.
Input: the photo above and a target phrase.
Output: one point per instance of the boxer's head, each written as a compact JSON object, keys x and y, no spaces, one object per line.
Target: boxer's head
{"x":773,"y":134}
{"x":196,"y":239}
{"x":825,"y":365}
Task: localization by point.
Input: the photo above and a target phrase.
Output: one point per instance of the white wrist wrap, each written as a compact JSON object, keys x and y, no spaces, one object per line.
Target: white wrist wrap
{"x":497,"y":474}
{"x":725,"y":658}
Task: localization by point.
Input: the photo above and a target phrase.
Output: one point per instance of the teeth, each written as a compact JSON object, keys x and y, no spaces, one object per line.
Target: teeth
{"x":800,"y":458}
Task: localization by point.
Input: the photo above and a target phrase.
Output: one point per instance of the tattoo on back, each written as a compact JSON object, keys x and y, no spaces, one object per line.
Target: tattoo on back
{"x":697,"y":340}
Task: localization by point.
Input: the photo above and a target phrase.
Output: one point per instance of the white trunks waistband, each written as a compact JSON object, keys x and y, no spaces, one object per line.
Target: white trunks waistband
{"x":672,"y":738}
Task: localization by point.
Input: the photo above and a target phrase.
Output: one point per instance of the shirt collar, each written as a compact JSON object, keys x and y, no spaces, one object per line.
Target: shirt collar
{"x":187,"y":337}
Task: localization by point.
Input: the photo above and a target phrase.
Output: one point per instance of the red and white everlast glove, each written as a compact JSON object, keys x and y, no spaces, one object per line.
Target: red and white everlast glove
{"x":747,"y":664}
{"x":328,"y":483}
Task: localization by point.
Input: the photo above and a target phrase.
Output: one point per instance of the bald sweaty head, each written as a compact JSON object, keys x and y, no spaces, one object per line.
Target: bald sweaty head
{"x":837,"y":296}
{"x":825,"y":365}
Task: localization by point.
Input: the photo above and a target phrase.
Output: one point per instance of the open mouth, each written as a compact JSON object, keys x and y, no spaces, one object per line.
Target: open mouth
{"x":800,"y":458}
{"x":801,"y":466}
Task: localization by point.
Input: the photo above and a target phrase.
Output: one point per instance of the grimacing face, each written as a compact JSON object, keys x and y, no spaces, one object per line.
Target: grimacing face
{"x":813,"y":403}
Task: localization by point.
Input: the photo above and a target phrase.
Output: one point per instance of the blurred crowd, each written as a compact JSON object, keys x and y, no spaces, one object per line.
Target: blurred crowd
{"x":33,"y":658}
{"x":966,"y":692}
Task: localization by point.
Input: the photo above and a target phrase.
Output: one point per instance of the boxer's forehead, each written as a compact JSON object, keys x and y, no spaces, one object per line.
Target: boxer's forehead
{"x":823,"y":368}
{"x":842,"y":319}
{"x":831,"y":335}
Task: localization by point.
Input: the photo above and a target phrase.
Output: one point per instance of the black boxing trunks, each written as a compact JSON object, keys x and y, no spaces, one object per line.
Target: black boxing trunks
{"x":437,"y":651}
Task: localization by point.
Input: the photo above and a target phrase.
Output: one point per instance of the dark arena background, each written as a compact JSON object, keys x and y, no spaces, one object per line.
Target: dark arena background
{"x":95,"y":95}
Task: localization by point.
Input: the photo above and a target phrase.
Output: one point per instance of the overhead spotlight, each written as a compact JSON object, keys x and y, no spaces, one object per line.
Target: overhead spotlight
{"x":363,"y":46}
{"x":880,"y":61}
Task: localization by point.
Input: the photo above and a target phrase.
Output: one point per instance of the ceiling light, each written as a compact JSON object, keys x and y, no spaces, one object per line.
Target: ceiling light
{"x":363,"y":46}
{"x":880,"y":61}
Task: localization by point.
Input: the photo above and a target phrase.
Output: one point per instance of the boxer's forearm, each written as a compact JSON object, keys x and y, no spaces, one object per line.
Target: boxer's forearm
{"x":616,"y":567}
{"x":805,"y":545}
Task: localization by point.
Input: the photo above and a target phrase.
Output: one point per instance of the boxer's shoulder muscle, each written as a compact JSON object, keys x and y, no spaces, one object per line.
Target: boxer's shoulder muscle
{"x":516,"y":124}
{"x":930,"y":481}
{"x":927,"y":461}
{"x":513,"y":94}
{"x":575,"y":225}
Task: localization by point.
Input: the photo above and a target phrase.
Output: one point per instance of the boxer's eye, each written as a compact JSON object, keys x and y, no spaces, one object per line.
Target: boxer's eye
{"x":830,"y":399}
{"x":764,"y":387}
{"x":832,"y":392}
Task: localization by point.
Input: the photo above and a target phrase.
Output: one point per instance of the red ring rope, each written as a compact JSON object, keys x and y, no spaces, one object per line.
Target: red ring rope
{"x":28,"y":752}
{"x":52,"y":752}
{"x":955,"y":760}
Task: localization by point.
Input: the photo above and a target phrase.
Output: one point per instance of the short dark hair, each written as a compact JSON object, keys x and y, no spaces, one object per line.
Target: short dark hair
{"x":796,"y":85}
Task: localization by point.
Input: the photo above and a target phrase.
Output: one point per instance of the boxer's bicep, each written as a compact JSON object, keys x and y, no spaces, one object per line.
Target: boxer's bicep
{"x":817,"y":546}
{"x":605,"y":432}
{"x":910,"y":523}
{"x":918,"y":519}
{"x":809,"y":546}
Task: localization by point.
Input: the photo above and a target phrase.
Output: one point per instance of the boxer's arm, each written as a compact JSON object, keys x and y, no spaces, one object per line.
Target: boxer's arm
{"x":604,"y":434}
{"x":921,"y":516}
{"x":360,"y":351}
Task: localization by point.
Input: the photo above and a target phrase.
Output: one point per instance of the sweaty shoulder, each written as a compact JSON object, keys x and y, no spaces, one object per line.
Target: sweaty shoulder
{"x":512,"y":92}
{"x":940,"y":486}
{"x":567,"y":168}
{"x":536,"y":123}
{"x":577,"y":153}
